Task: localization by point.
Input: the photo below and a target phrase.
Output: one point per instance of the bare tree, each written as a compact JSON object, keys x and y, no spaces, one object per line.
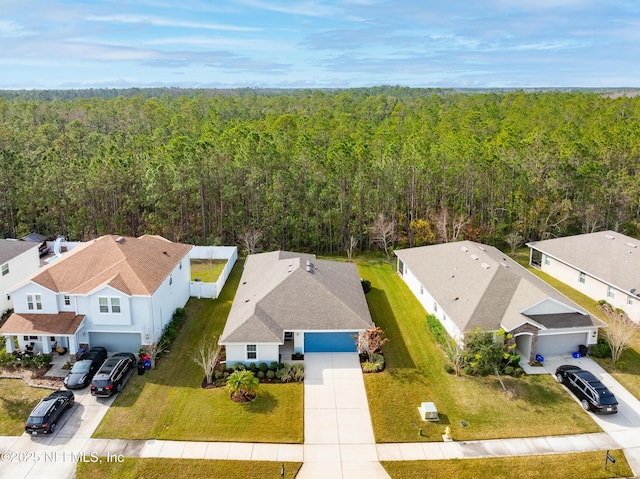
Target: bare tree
{"x":350,"y":245}
{"x":206,"y":356}
{"x":621,"y":330}
{"x":153,"y":347}
{"x":370,"y":341}
{"x":250,"y":239}
{"x":449,"y":228}
{"x":514,"y":239}
{"x":382,"y":234}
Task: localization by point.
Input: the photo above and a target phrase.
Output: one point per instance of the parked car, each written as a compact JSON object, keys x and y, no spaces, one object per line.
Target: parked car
{"x":113,"y":374}
{"x":83,"y":370}
{"x":592,"y":394}
{"x":44,"y":417}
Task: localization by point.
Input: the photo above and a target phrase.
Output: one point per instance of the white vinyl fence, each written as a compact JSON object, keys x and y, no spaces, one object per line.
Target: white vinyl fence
{"x":200,"y":289}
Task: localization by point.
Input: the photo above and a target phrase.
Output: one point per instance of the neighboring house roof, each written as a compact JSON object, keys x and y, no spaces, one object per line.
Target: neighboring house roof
{"x":611,"y":257}
{"x":134,"y":266}
{"x":42,"y":324}
{"x":9,"y":249}
{"x":34,"y":238}
{"x":278,"y":293}
{"x":481,"y":287}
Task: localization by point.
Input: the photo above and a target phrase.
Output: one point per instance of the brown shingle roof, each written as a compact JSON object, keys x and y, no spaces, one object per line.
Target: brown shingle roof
{"x":135,"y":266}
{"x":42,"y":324}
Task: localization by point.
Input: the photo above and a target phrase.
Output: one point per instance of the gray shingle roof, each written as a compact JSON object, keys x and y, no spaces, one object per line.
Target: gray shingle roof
{"x":609,"y":256}
{"x":277,"y":293}
{"x":9,"y":249}
{"x":479,"y":286}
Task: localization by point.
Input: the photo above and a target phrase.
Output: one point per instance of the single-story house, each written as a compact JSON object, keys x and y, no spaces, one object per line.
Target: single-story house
{"x":294,"y":302}
{"x":603,"y":265}
{"x":117,"y":292}
{"x":468,"y":285}
{"x":18,"y":260}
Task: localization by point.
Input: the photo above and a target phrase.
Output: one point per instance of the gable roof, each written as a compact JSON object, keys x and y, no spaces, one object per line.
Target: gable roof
{"x":10,"y":249}
{"x":481,"y":287}
{"x":278,"y":293}
{"x":134,"y":266}
{"x":611,"y":257}
{"x":42,"y":324}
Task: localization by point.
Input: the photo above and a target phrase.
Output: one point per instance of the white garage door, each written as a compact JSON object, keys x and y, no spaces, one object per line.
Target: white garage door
{"x":116,"y":342}
{"x":558,"y":344}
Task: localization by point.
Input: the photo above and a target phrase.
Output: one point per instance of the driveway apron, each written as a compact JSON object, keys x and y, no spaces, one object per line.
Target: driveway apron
{"x":338,"y":436}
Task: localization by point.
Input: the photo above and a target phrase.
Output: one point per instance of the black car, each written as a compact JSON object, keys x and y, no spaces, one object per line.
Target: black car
{"x":593,"y":395}
{"x":44,"y":417}
{"x":84,"y":369}
{"x":113,"y":374}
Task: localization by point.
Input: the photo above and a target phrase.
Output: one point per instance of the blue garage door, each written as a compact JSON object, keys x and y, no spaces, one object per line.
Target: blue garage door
{"x":329,"y":342}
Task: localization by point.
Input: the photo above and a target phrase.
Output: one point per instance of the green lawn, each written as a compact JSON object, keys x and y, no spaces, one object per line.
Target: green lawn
{"x":206,"y":270}
{"x":535,"y":406}
{"x":630,"y":359}
{"x":16,"y":402}
{"x":564,"y":466}
{"x":147,"y":468}
{"x":168,"y":402}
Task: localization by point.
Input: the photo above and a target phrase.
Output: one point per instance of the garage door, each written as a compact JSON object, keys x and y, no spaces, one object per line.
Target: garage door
{"x":116,"y":342}
{"x":558,"y":344}
{"x":329,"y":342}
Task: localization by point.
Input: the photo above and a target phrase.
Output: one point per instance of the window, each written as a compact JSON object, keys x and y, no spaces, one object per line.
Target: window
{"x":252,"y":351}
{"x":5,"y":269}
{"x":67,"y":300}
{"x":34,"y":301}
{"x":582,"y":278}
{"x":109,"y":305}
{"x":610,"y":292}
{"x":547,"y":260}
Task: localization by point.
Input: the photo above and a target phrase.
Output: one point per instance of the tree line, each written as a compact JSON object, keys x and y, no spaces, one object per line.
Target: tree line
{"x":319,"y":170}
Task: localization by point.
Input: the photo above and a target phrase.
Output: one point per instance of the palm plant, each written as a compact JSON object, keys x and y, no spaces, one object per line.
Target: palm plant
{"x":242,"y":385}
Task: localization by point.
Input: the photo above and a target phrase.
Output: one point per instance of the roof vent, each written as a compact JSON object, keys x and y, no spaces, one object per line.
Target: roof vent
{"x":310,"y":267}
{"x":609,"y":237}
{"x":474,"y":257}
{"x":290,"y":268}
{"x":504,"y":264}
{"x":631,"y":245}
{"x":485,"y":266}
{"x":165,"y":253}
{"x":120,"y":239}
{"x":465,"y":249}
{"x":482,"y":248}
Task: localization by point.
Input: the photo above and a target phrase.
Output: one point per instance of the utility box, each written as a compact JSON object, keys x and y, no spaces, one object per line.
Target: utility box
{"x":428,"y":412}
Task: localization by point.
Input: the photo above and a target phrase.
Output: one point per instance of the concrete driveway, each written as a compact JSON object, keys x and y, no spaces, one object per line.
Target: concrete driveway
{"x":56,"y":455}
{"x":338,"y":435}
{"x":623,"y":427}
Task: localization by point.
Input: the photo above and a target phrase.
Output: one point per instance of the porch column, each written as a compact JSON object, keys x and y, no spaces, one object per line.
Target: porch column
{"x":46,"y":345}
{"x":9,"y":344}
{"x":73,"y":347}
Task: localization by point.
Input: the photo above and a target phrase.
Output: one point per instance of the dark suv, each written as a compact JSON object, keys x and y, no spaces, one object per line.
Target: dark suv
{"x":44,"y":417}
{"x":592,"y":394}
{"x":85,"y":367}
{"x":113,"y":374}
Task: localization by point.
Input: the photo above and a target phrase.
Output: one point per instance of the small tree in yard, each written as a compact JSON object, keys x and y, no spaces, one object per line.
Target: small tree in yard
{"x":370,"y":342}
{"x":206,"y":356}
{"x":153,"y":348}
{"x":621,"y":329}
{"x":242,"y":385}
{"x":250,"y":239}
{"x":382,"y":233}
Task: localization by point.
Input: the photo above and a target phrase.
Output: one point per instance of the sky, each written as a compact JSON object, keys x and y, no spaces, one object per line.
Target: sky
{"x":60,"y":44}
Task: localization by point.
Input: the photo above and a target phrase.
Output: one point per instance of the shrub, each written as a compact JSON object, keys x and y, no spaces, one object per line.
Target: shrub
{"x":438,"y":331}
{"x":221,"y":382}
{"x":297,"y":372}
{"x":366,"y":286}
{"x":225,"y":375}
{"x":518,"y":372}
{"x":260,"y":374}
{"x":622,"y":365}
{"x":284,"y":373}
{"x":263,"y":367}
{"x":41,"y":360}
{"x":239,"y":367}
{"x":218,"y":375}
{"x":449,"y":368}
{"x":369,"y":367}
{"x":253,"y":367}
{"x":271,"y":374}
{"x":601,"y":350}
{"x":274,"y":366}
{"x":508,"y":370}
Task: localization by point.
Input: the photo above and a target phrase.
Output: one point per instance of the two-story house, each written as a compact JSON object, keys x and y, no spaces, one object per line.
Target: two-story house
{"x":117,"y":292}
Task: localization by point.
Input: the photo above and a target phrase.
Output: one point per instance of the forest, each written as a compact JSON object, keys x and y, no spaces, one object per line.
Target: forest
{"x":311,"y":169}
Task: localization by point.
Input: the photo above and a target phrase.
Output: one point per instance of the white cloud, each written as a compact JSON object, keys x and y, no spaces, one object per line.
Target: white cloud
{"x":162,"y":22}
